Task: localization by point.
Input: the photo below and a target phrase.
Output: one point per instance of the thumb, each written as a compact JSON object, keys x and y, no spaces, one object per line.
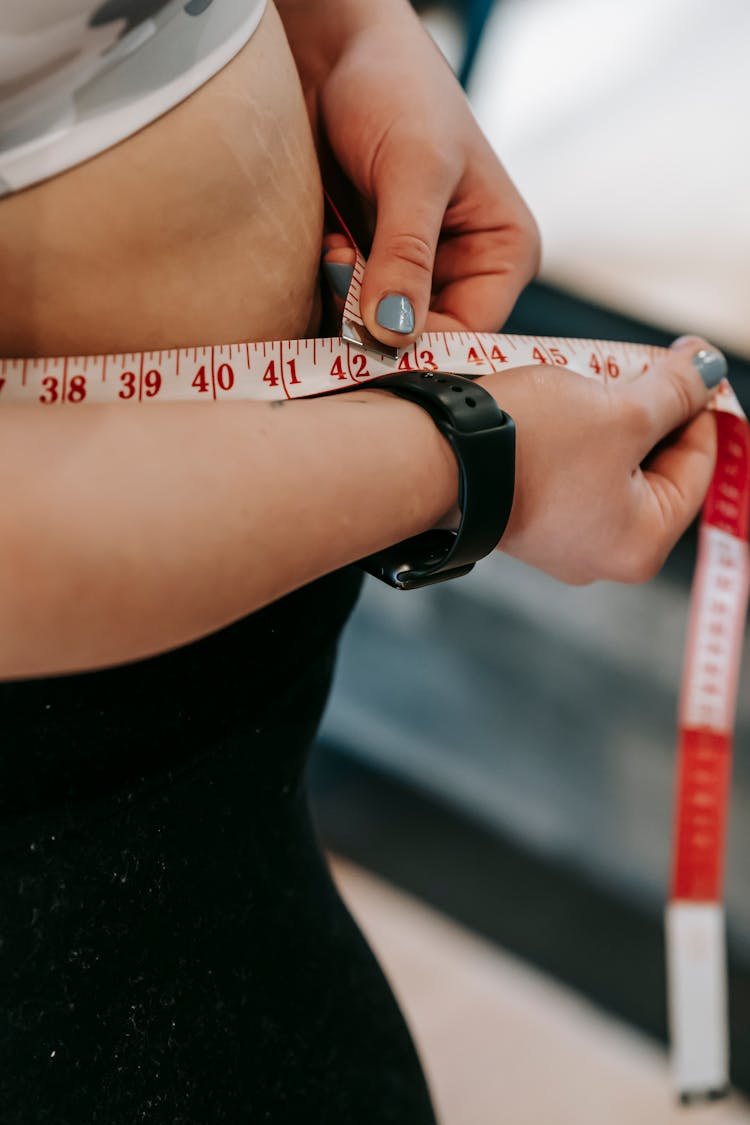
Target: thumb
{"x":411,"y":204}
{"x":675,"y":389}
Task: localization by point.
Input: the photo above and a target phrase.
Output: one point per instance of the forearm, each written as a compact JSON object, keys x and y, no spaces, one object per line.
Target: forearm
{"x":131,"y":531}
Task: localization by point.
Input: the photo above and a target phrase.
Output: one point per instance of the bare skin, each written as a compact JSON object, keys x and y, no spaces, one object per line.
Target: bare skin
{"x":203,"y":227}
{"x":126,"y":533}
{"x":130,"y":535}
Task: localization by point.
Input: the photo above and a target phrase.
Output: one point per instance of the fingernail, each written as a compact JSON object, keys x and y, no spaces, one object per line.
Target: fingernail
{"x":711,"y":366}
{"x":396,"y":314}
{"x":339,"y":275}
{"x":683,"y":341}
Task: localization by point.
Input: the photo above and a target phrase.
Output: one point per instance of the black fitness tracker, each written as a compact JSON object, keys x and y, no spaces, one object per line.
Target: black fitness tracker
{"x":483,"y":438}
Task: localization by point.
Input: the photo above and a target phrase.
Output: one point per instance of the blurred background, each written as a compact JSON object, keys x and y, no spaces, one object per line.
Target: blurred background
{"x":495,"y":772}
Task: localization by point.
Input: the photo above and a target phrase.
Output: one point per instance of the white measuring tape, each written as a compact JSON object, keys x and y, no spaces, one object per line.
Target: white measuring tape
{"x":300,"y":368}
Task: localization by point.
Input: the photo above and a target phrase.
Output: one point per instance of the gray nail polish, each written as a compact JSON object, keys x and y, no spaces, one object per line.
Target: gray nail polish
{"x":396,"y":314}
{"x":711,"y":366}
{"x":339,"y":275}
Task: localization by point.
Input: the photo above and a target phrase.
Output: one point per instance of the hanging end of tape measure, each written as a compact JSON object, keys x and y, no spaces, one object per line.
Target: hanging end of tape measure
{"x":696,"y":974}
{"x":358,"y":335}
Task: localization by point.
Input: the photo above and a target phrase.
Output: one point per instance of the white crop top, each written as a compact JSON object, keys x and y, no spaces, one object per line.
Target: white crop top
{"x":77,"y":76}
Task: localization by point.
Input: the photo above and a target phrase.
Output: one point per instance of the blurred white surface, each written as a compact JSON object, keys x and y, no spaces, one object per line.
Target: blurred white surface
{"x":624,"y":124}
{"x":502,"y":1043}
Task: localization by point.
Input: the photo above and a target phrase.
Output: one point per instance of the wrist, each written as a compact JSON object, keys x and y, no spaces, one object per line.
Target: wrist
{"x":319,"y":30}
{"x":482,"y":437}
{"x":433,"y":482}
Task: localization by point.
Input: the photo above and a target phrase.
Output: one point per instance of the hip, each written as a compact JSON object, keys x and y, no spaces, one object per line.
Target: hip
{"x":203,"y":227}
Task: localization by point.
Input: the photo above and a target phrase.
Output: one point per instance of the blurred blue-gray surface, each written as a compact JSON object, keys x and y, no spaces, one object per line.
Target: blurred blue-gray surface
{"x":542,"y":711}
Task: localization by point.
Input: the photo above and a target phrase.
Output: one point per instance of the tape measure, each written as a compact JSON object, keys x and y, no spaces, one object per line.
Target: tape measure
{"x":290,"y":369}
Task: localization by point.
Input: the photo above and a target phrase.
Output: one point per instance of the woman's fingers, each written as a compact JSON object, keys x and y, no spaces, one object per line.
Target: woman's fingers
{"x":453,"y":245}
{"x":674,"y":390}
{"x":338,"y":267}
{"x":412,"y":197}
{"x":676,"y":481}
{"x":609,"y":477}
{"x":491,"y":250}
{"x":679,"y":440}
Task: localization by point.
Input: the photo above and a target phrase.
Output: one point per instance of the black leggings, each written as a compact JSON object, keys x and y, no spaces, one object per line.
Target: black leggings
{"x":172,"y":947}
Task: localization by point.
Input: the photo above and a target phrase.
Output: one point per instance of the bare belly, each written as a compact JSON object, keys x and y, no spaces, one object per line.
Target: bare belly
{"x":205,"y":227}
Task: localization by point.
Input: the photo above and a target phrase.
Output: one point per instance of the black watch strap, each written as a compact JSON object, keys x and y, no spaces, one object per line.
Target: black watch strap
{"x":483,"y":439}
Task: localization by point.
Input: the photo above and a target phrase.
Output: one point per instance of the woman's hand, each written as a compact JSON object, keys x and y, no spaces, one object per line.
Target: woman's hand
{"x":453,"y":241}
{"x":609,"y":477}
